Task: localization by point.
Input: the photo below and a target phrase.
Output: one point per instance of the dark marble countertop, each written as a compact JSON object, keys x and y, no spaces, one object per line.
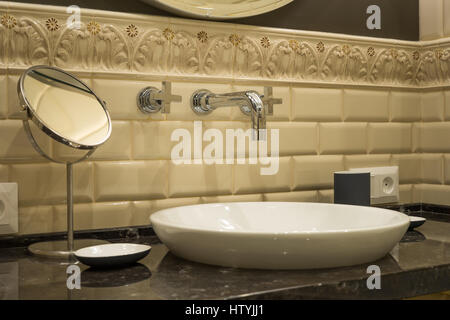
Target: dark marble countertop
{"x":418,"y":265}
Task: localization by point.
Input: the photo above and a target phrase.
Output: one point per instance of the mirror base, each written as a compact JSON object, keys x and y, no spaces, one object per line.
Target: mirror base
{"x":58,"y":249}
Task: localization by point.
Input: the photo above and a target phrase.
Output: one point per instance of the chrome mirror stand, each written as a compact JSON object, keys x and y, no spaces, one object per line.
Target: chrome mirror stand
{"x":50,"y":75}
{"x":63,"y":248}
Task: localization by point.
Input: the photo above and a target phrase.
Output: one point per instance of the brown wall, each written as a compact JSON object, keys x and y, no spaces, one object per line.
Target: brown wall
{"x":399,"y":18}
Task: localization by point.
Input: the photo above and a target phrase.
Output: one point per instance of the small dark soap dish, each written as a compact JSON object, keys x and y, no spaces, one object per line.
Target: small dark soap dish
{"x":416,"y":222}
{"x":112,"y":255}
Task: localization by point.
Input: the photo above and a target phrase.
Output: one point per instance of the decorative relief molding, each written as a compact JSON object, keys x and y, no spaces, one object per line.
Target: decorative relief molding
{"x":27,"y":42}
{"x":394,"y":66}
{"x":292,"y":60}
{"x":3,"y":45}
{"x":128,"y":46}
{"x":434,"y":67}
{"x":132,"y":31}
{"x":344,"y":63}
{"x":72,"y":48}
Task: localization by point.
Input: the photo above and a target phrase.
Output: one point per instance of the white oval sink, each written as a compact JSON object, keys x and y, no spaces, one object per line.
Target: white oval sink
{"x":279,"y":235}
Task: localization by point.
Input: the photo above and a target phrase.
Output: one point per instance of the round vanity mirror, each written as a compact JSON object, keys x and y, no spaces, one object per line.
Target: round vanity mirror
{"x":218,"y":9}
{"x":64,"y":107}
{"x":67,"y":110}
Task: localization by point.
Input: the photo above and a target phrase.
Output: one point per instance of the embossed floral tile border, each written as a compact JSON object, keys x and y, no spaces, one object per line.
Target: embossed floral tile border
{"x":110,"y":42}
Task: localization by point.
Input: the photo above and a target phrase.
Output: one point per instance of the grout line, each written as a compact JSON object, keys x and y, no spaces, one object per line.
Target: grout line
{"x":292,"y":173}
{"x":94,"y":182}
{"x":367,"y":138}
{"x":421,"y":107}
{"x":291,"y":104}
{"x":443,"y":109}
{"x":132,"y":146}
{"x":389,"y":105}
{"x":411,"y":138}
{"x":318,"y":138}
{"x":167,"y":179}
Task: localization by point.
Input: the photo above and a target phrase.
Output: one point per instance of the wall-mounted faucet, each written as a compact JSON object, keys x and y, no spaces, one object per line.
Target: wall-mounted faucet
{"x":250,"y":102}
{"x":151,"y":99}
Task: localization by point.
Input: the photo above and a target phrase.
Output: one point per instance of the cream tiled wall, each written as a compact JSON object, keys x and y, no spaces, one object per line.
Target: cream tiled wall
{"x":433,"y":146}
{"x":434,"y":20}
{"x":367,"y":110}
{"x":322,"y":130}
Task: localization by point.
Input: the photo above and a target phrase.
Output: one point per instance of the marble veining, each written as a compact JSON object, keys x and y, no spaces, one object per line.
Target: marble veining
{"x":418,"y":265}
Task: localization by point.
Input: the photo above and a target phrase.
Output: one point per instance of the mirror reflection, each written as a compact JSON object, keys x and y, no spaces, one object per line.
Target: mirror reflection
{"x":66,"y":106}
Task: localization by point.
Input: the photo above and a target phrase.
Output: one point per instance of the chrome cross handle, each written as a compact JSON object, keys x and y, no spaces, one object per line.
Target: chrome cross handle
{"x":269,"y":100}
{"x":151,"y":100}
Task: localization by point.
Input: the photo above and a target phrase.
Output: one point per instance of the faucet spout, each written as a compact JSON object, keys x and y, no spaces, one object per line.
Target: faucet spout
{"x":250,"y":102}
{"x":258,"y":115}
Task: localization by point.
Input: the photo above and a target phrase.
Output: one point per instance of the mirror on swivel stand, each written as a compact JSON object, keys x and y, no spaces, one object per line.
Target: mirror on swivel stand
{"x":68,"y":111}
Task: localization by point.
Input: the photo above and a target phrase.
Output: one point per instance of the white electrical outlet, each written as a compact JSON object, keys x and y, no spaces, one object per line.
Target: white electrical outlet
{"x":9,"y":212}
{"x":383,"y":184}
